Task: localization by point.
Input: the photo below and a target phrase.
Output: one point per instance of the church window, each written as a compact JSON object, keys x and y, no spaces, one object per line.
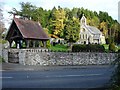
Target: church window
{"x":81,"y":36}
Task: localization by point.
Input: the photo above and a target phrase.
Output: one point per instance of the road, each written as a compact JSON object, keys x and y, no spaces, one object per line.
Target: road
{"x":89,"y":77}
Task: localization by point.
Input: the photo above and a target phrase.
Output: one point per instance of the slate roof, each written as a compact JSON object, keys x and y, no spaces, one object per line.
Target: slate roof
{"x":95,"y":31}
{"x":30,"y":29}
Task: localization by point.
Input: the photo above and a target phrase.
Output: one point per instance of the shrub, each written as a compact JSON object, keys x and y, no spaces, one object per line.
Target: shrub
{"x":41,"y":44}
{"x":89,"y":47}
{"x":112,"y":47}
{"x":48,"y":44}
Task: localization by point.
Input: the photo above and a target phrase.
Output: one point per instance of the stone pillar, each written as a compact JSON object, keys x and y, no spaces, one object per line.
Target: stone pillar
{"x":21,"y":41}
{"x":28,"y":42}
{"x":16,"y":44}
{"x":22,"y":57}
{"x":5,"y":55}
{"x":34,"y":44}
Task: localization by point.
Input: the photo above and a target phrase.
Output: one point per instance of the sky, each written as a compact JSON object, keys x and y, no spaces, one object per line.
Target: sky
{"x":110,"y":6}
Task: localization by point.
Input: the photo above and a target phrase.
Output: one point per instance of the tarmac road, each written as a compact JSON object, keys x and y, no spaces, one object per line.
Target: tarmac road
{"x":58,"y":77}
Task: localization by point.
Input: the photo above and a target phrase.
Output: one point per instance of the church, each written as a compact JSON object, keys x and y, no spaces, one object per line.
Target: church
{"x":90,"y":34}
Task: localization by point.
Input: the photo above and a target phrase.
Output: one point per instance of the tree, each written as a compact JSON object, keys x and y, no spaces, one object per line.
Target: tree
{"x":39,"y":16}
{"x":72,"y":29}
{"x":32,"y":12}
{"x":27,"y":9}
{"x":115,"y":32}
{"x":2,"y":27}
{"x":93,"y":21}
{"x":103,"y":28}
{"x":74,"y":12}
{"x":117,"y":38}
{"x":58,"y":22}
{"x":112,"y":47}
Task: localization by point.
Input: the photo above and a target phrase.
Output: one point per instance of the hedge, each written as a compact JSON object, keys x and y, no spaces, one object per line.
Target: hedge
{"x":88,"y":48}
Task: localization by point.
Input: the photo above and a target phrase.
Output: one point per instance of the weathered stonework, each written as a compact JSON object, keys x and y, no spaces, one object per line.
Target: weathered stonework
{"x":43,"y":57}
{"x":5,"y":55}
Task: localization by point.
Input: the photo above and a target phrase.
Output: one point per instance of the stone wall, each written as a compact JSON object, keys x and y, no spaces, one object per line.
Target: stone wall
{"x":0,"y":49}
{"x":43,"y":57}
{"x":64,"y":58}
{"x":5,"y":55}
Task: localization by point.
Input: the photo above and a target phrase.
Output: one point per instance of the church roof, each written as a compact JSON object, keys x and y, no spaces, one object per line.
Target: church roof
{"x":29,"y":29}
{"x":95,"y":31}
{"x":92,"y":29}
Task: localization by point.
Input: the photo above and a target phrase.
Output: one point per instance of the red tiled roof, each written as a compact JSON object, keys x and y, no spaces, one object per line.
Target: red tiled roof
{"x":30,"y":29}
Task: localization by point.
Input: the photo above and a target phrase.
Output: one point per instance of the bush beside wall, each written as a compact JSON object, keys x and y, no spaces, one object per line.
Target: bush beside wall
{"x":89,"y":47}
{"x":112,"y":47}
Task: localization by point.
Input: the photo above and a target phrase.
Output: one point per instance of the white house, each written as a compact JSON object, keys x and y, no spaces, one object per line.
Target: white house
{"x":90,"y":34}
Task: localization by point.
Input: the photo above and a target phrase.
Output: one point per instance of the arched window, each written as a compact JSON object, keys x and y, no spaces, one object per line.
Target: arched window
{"x":81,"y":36}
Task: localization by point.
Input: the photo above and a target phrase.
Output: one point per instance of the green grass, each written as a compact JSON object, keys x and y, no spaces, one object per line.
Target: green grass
{"x":59,"y":47}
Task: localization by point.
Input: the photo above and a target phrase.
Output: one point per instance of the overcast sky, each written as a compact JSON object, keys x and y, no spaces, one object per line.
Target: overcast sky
{"x":110,"y":6}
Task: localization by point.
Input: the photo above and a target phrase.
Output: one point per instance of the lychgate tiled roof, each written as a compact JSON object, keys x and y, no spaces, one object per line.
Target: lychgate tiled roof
{"x":30,"y":29}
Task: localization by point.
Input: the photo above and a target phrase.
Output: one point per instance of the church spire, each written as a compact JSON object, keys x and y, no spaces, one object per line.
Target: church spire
{"x":83,"y":20}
